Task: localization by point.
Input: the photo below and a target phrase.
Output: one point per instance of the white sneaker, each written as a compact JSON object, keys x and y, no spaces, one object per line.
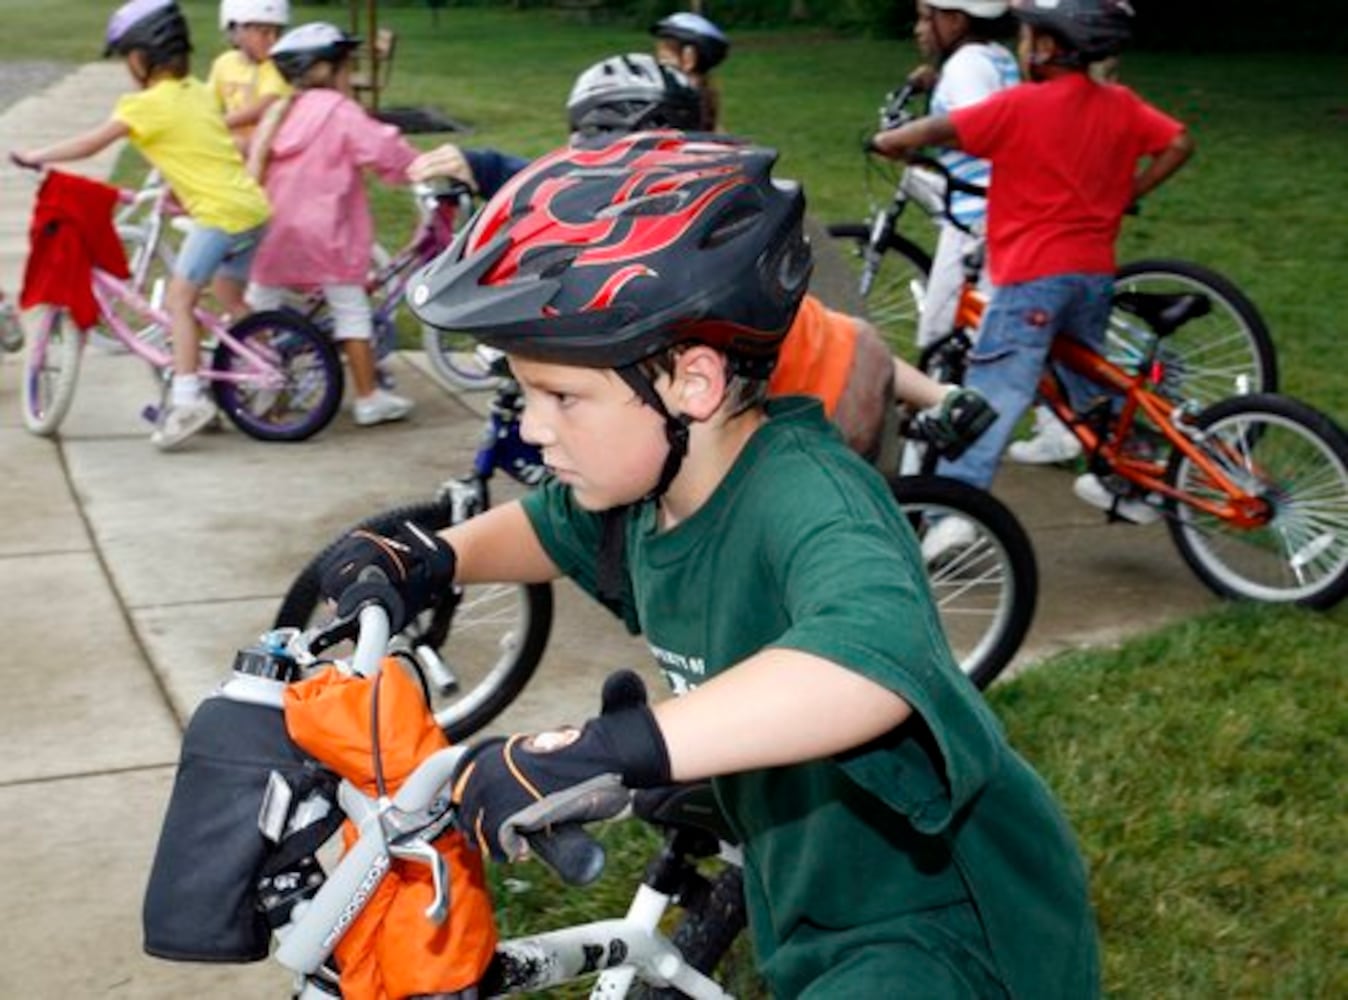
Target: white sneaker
{"x":178,"y":423}
{"x":381,"y":406}
{"x":946,"y":538}
{"x":1097,"y":494}
{"x":1052,"y":442}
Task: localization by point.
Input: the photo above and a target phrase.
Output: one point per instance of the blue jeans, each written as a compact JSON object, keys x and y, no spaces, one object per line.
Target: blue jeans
{"x":207,"y":251}
{"x":1012,"y":347}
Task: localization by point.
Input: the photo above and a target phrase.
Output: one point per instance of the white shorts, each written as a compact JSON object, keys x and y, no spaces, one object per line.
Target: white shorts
{"x":348,"y":304}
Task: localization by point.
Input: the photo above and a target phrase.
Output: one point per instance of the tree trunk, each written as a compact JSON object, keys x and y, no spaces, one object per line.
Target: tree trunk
{"x":799,"y":11}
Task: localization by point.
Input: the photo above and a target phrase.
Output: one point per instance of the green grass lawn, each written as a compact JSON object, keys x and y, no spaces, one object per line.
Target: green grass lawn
{"x":1202,"y":766}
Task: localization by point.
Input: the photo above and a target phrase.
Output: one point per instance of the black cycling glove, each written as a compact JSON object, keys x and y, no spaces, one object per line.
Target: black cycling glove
{"x":414,"y":562}
{"x":508,"y":788}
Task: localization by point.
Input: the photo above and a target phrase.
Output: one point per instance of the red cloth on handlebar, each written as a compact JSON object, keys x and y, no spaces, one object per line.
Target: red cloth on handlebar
{"x":71,"y":234}
{"x":392,"y":950}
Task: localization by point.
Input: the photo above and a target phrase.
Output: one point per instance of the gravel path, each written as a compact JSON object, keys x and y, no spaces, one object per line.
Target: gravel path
{"x":19,"y":79}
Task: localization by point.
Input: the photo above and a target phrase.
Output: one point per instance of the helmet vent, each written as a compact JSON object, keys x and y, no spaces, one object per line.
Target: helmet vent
{"x":550,"y":262}
{"x":664,"y":203}
{"x":734,"y":222}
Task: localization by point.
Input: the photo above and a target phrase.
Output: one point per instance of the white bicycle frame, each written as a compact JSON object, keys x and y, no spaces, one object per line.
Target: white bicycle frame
{"x":403,"y":827}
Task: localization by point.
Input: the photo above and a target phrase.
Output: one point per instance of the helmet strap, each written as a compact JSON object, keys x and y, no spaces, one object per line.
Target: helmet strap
{"x":676,"y":428}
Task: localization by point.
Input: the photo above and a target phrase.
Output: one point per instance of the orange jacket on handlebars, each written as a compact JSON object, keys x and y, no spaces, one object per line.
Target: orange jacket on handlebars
{"x":392,"y":950}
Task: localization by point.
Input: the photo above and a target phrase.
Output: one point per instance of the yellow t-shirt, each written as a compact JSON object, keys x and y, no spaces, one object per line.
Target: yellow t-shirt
{"x":238,"y":82}
{"x":177,"y":126}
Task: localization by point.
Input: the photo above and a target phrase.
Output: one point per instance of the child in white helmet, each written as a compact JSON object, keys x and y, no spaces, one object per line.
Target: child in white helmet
{"x":244,"y":79}
{"x":311,"y":152}
{"x":965,"y":66}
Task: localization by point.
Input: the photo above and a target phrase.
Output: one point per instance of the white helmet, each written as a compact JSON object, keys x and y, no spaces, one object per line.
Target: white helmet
{"x":989,"y":9}
{"x":234,"y":12}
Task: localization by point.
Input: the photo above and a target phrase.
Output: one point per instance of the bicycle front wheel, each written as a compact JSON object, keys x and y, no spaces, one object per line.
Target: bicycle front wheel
{"x":299,"y":392}
{"x":489,"y":637}
{"x":50,"y":371}
{"x":986,"y":588}
{"x":893,"y":287}
{"x":1295,"y":460}
{"x":1228,"y":352}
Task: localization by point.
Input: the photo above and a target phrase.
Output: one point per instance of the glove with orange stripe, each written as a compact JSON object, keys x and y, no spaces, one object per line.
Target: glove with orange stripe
{"x":509,"y":788}
{"x":413,"y":562}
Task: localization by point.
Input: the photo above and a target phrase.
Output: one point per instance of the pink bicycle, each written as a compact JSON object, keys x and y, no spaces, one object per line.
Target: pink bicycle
{"x":273,"y":374}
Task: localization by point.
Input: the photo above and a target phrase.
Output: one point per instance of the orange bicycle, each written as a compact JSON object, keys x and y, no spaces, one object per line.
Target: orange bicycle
{"x":1253,"y":488}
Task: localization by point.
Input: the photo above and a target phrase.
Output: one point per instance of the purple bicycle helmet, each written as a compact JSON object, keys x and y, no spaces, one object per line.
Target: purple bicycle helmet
{"x":695,"y":30}
{"x":155,"y":27}
{"x":1090,"y":30}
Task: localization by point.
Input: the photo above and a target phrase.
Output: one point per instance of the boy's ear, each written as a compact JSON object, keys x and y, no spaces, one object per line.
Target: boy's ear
{"x":700,"y":381}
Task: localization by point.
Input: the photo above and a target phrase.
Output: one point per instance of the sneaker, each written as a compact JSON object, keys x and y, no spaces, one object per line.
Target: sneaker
{"x":380,"y":407}
{"x":1132,"y":509}
{"x":947,"y":538}
{"x":1052,"y":442}
{"x":178,"y":423}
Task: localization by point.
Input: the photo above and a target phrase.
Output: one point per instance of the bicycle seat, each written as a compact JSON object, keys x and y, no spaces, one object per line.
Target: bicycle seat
{"x":1164,"y":312}
{"x":692,"y":807}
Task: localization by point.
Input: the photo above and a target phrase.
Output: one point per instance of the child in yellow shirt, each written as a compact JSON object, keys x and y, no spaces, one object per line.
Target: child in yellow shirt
{"x":244,"y":79}
{"x":174,"y":123}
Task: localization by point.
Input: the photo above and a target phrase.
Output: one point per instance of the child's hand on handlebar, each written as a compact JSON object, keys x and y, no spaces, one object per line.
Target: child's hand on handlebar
{"x":923,"y":78}
{"x":417,"y":564}
{"x":507,"y":789}
{"x":443,"y":161}
{"x":25,"y":159}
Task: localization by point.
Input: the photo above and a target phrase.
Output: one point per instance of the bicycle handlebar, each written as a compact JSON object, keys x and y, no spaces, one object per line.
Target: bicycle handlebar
{"x":386,"y":828}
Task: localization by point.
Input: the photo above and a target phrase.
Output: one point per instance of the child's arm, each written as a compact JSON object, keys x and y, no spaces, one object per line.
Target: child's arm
{"x":500,"y":545}
{"x":250,"y":115}
{"x":78,"y":147}
{"x":1163,"y":164}
{"x":780,"y":706}
{"x":934,"y":130}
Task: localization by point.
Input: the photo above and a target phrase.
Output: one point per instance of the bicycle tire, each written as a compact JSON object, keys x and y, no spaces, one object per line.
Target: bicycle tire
{"x":1297,"y":458}
{"x":311,"y":392}
{"x":986,"y":591}
{"x":51,"y":370}
{"x":707,"y":932}
{"x":519,"y":649}
{"x":1227,"y":352}
{"x":454,"y":361}
{"x":893,"y":295}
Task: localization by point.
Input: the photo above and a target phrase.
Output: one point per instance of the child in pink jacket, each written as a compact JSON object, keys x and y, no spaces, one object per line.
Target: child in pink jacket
{"x":310,"y":152}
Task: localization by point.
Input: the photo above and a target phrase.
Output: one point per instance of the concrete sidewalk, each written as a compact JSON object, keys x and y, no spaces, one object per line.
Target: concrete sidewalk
{"x":130,"y":577}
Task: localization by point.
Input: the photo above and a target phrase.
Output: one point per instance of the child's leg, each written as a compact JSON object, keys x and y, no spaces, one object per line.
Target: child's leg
{"x":1005,"y":366}
{"x":354,"y":331}
{"x":944,"y":282}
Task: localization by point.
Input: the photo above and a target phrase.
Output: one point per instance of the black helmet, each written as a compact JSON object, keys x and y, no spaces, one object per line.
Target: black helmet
{"x":1091,"y":29}
{"x":301,"y":48}
{"x":695,"y":30}
{"x":155,"y":27}
{"x":632,"y":93}
{"x":601,"y":258}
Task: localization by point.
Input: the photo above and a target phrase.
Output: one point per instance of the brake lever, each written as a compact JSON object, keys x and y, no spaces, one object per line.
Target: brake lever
{"x":423,"y":853}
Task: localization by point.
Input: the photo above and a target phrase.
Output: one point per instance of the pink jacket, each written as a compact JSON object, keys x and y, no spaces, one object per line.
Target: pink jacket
{"x":321,"y":230}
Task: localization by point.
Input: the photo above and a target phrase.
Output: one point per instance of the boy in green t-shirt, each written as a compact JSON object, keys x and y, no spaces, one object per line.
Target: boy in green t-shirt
{"x":894,"y":845}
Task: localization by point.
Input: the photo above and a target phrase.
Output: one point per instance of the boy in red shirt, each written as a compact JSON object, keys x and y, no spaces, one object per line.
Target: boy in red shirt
{"x":1065,"y":152}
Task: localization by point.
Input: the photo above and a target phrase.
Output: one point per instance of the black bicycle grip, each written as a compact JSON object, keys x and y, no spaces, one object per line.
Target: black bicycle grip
{"x":571,"y":852}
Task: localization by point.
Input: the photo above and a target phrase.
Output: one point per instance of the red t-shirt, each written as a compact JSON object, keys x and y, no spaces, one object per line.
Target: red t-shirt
{"x":1064,"y":154}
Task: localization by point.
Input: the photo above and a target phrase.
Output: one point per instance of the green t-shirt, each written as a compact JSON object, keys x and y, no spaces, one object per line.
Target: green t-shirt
{"x":937,"y":840}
